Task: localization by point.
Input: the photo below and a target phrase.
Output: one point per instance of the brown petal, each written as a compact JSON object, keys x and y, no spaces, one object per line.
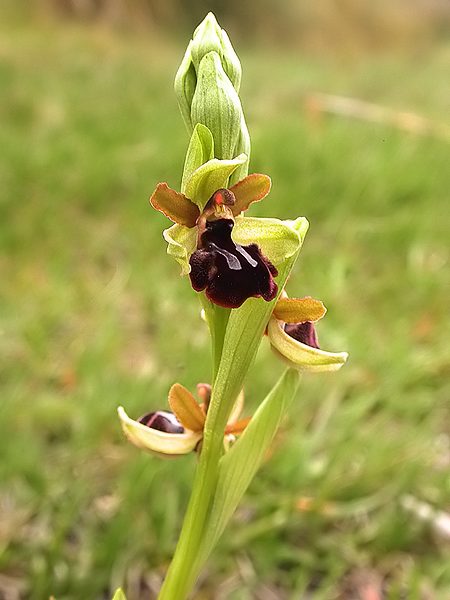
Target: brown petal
{"x":174,"y":205}
{"x":299,"y":310}
{"x":238,"y":426}
{"x":185,"y":408}
{"x":250,"y":189}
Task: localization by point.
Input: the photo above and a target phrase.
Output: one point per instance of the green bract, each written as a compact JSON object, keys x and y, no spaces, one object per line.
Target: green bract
{"x":210,"y":177}
{"x":200,"y":151}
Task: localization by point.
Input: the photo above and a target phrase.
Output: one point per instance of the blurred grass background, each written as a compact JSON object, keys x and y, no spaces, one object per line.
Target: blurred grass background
{"x":95,"y":315}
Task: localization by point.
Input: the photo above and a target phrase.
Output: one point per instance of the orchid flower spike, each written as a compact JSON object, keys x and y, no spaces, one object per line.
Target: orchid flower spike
{"x":180,"y":430}
{"x":293,"y":336}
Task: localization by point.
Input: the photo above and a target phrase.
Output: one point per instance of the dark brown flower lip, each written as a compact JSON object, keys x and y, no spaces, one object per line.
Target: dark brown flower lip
{"x":304,"y":333}
{"x":162,"y":421}
{"x":228,"y":272}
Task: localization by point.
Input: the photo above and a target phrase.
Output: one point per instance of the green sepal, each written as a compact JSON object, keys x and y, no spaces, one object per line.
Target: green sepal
{"x":182,"y":242}
{"x":184,"y":86}
{"x":238,"y":467}
{"x":119,"y":595}
{"x":216,"y":104}
{"x":209,"y":178}
{"x":277,"y":239}
{"x":200,"y":151}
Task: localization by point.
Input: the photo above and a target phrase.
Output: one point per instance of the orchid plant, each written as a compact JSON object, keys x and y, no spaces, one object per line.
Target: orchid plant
{"x":238,"y":265}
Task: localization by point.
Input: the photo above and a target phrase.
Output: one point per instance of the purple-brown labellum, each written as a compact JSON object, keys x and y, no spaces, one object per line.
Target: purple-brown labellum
{"x":162,"y":421}
{"x":228,"y":272}
{"x":303,"y":332}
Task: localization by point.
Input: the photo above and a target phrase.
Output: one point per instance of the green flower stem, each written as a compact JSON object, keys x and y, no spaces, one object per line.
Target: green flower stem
{"x":241,"y":334}
{"x":180,"y":576}
{"x":217,"y":318}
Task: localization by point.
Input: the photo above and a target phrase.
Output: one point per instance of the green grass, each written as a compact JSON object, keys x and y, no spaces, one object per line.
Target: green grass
{"x":93,"y":314}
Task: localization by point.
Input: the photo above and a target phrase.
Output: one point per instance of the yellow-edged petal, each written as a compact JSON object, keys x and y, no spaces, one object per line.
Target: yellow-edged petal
{"x":152,"y":440}
{"x":301,"y":356}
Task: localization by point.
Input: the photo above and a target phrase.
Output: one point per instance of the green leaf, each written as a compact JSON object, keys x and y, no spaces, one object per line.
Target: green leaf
{"x":119,"y":595}
{"x":200,"y":151}
{"x":182,"y":242}
{"x":209,"y":178}
{"x":277,"y":239}
{"x":238,"y":467}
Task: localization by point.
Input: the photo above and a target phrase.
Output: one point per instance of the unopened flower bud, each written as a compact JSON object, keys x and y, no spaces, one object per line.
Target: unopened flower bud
{"x":217,"y":105}
{"x":207,"y":85}
{"x":210,"y":37}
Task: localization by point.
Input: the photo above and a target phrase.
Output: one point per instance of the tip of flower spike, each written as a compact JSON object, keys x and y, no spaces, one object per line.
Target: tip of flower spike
{"x":210,"y":19}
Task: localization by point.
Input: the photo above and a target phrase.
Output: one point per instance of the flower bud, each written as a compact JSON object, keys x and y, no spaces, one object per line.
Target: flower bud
{"x":207,"y":85}
{"x":210,"y":37}
{"x":185,"y":82}
{"x":216,"y":104}
{"x":242,"y":147}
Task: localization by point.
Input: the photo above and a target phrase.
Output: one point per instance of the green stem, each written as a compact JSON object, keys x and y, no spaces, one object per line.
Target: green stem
{"x":240,"y":334}
{"x":180,"y":576}
{"x":217,"y":318}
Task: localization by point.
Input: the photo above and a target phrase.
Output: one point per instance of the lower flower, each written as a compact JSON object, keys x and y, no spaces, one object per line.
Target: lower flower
{"x":179,"y":431}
